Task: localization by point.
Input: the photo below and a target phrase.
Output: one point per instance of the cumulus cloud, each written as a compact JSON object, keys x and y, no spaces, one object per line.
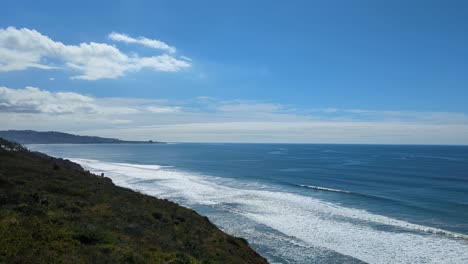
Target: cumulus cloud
{"x":27,"y":48}
{"x":34,"y":100}
{"x":152,"y":43}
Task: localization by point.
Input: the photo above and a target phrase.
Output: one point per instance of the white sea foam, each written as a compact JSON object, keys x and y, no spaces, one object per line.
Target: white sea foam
{"x":324,"y":188}
{"x":317,"y":224}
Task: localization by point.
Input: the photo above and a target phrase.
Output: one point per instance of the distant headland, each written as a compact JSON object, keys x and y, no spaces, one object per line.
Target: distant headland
{"x":54,"y":137}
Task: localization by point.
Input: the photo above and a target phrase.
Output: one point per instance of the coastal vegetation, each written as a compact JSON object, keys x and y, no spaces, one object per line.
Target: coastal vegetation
{"x":53,"y":211}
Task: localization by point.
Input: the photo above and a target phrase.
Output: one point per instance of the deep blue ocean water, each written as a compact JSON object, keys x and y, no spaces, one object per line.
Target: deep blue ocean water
{"x":301,"y":203}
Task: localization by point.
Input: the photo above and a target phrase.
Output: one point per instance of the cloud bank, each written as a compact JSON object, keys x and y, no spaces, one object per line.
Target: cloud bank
{"x":24,"y":48}
{"x":206,"y":119}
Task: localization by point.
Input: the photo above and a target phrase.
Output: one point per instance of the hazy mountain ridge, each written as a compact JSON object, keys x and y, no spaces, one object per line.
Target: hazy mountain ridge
{"x":54,"y":137}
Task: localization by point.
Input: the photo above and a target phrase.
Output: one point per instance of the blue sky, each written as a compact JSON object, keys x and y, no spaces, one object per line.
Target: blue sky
{"x":395,"y":63}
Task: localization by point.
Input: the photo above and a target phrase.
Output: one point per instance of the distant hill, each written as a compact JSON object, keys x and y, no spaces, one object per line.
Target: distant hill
{"x":53,"y":137}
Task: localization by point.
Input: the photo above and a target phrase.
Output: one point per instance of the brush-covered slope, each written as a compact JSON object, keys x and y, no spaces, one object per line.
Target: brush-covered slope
{"x":52,"y":211}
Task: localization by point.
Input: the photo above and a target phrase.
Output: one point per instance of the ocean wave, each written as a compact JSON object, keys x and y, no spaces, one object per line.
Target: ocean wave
{"x":313,"y":222}
{"x":323,"y":188}
{"x":128,"y":165}
{"x":375,"y":197}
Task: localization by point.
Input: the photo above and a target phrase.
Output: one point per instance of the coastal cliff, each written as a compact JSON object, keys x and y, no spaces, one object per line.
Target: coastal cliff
{"x":53,"y":211}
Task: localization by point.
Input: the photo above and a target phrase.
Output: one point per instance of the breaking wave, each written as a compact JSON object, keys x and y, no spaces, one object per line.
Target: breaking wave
{"x":289,"y":227}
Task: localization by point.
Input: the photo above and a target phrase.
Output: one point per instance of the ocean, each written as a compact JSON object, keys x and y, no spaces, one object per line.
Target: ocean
{"x":306,"y":203}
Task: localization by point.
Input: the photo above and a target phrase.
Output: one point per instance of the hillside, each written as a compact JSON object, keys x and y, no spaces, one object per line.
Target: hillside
{"x":53,"y":211}
{"x":53,"y":137}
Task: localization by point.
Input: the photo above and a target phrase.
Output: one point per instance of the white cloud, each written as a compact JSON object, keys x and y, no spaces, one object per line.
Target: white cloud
{"x":426,"y":117}
{"x":212,"y":120}
{"x":185,"y":58}
{"x":152,"y":43}
{"x":25,"y":48}
{"x":34,"y":100}
{"x":249,"y":106}
{"x":163,"y":109}
{"x":330,"y":110}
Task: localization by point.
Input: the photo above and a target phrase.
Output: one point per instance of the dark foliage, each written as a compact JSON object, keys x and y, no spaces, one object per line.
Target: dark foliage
{"x":10,"y":146}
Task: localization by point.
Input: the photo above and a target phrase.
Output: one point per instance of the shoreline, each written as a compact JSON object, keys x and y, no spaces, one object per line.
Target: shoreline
{"x":202,"y":192}
{"x":97,"y":215}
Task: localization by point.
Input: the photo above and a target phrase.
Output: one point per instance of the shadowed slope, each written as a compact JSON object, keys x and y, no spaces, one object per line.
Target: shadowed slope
{"x":51,"y":210}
